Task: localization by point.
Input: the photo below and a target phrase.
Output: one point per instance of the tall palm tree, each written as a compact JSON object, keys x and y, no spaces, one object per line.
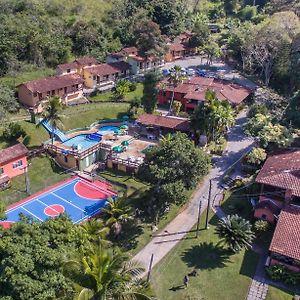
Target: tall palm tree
{"x":105,"y":274}
{"x":176,"y":76}
{"x":116,"y":213}
{"x":235,"y":232}
{"x":166,"y":139}
{"x":52,"y":113}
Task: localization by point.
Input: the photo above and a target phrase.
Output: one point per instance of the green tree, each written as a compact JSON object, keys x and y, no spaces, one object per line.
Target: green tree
{"x":150,"y":92}
{"x":95,"y":230}
{"x":200,"y":34}
{"x":52,"y":113}
{"x":292,"y":113}
{"x":32,"y":255}
{"x":116,"y":214}
{"x":105,"y":274}
{"x":231,"y":6}
{"x":121,"y":89}
{"x":213,"y":118}
{"x":235,"y":232}
{"x":256,"y":156}
{"x":176,"y":76}
{"x":2,"y":211}
{"x":13,"y":132}
{"x":149,"y":40}
{"x":8,"y":100}
{"x":176,"y":107}
{"x":176,"y":159}
{"x":212,"y":50}
{"x":261,"y":226}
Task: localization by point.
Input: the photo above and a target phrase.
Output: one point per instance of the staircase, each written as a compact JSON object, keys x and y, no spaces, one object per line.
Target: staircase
{"x":55,"y":131}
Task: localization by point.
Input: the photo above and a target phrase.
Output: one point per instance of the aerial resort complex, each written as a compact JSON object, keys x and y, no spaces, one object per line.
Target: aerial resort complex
{"x":149,"y":150}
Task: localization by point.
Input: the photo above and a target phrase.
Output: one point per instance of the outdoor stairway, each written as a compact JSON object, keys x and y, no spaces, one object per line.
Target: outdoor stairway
{"x":55,"y":131}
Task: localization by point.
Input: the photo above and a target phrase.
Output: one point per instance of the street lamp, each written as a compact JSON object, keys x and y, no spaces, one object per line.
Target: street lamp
{"x":27,"y":181}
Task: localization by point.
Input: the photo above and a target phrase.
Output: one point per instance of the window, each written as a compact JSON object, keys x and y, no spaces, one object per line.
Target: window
{"x":94,"y":77}
{"x":68,"y":70}
{"x":263,"y":216}
{"x":53,"y":92}
{"x":1,"y":171}
{"x":66,"y":159}
{"x":17,"y":164}
{"x":34,"y":94}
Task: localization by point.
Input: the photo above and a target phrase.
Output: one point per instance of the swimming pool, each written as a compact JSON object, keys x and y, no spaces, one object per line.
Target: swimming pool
{"x":81,"y":142}
{"x":107,"y":129}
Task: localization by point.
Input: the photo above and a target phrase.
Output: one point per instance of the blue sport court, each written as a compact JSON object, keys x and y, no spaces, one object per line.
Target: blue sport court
{"x":77,"y":197}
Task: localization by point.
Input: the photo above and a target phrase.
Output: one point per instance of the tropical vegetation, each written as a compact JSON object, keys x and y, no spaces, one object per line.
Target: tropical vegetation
{"x":235,"y":232}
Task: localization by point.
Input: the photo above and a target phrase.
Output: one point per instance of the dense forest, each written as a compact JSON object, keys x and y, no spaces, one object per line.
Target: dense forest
{"x":260,"y":35}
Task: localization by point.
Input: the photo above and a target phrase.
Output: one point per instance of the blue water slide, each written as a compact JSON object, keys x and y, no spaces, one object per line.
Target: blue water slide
{"x":55,"y":131}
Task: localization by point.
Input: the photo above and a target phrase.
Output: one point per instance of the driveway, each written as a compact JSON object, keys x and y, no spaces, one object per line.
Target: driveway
{"x":161,"y":244}
{"x":218,"y":68}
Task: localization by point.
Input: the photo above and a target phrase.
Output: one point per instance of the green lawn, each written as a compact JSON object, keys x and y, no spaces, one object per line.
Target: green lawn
{"x":138,"y":93}
{"x":42,"y":174}
{"x":34,"y":74}
{"x":221,"y":274}
{"x":279,"y":294}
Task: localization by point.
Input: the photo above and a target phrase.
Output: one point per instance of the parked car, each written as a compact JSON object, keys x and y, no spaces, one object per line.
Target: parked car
{"x":201,"y":72}
{"x":190,"y":72}
{"x":166,"y":72}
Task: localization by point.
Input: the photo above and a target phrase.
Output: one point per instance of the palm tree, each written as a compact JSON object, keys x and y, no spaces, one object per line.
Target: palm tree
{"x":116,"y":213}
{"x":176,"y":76}
{"x":235,"y":232}
{"x":96,"y":230}
{"x":166,"y":139}
{"x":105,"y":274}
{"x":52,"y":114}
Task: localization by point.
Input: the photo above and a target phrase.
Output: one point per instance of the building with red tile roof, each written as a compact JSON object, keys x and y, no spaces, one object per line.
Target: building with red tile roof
{"x":70,"y":68}
{"x":191,"y":92}
{"x":285,"y":245}
{"x":105,"y":74}
{"x":280,"y":184}
{"x":13,"y":162}
{"x":164,"y":122}
{"x":67,"y":87}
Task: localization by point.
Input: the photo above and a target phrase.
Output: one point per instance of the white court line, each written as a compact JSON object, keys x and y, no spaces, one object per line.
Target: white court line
{"x":67,"y":201}
{"x":31,"y":213}
{"x":43,"y":194}
{"x":47,"y":206}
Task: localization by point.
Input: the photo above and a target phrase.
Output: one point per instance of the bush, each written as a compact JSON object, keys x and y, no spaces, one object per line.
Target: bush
{"x":261,"y":226}
{"x":217,"y":147}
{"x":283,"y":274}
{"x":256,"y":157}
{"x":132,"y":87}
{"x":13,"y":132}
{"x":257,"y":109}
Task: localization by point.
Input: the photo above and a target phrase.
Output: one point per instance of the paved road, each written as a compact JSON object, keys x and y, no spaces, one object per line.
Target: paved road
{"x":217,"y":68}
{"x":160,"y":245}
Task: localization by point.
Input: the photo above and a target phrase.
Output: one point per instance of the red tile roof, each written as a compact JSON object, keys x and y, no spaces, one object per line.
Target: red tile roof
{"x":282,"y":170}
{"x":177,"y":47}
{"x":53,"y":83}
{"x":65,"y":67}
{"x":13,"y":152}
{"x":109,"y":68}
{"x":196,"y":86}
{"x":286,"y":238}
{"x":85,"y":61}
{"x":165,"y":122}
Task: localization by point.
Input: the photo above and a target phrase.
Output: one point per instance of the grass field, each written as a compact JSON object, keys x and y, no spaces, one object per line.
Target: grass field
{"x":138,"y":93}
{"x":278,"y":294}
{"x":42,"y":173}
{"x":222,"y":275}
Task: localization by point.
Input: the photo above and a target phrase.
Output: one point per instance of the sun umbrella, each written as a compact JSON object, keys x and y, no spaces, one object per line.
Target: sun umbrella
{"x":125,"y":117}
{"x":124,"y":127}
{"x":125,"y":143}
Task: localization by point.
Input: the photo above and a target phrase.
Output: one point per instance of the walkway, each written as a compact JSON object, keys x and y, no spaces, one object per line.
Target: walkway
{"x":159,"y":246}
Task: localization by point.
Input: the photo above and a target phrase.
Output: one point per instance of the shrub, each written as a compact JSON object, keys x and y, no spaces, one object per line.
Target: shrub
{"x":282,"y":273}
{"x":13,"y":132}
{"x":261,"y":226}
{"x":256,"y":157}
{"x":132,"y":87}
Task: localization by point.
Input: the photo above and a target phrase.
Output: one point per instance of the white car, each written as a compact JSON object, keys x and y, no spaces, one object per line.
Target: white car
{"x":190,"y":72}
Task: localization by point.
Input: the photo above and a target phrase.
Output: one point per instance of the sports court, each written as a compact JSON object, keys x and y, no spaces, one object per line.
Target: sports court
{"x":79,"y":198}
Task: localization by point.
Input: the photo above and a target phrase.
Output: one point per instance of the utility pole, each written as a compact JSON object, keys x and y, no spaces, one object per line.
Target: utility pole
{"x":208,"y":205}
{"x":198,"y":221}
{"x":27,"y":182}
{"x":150,"y":267}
